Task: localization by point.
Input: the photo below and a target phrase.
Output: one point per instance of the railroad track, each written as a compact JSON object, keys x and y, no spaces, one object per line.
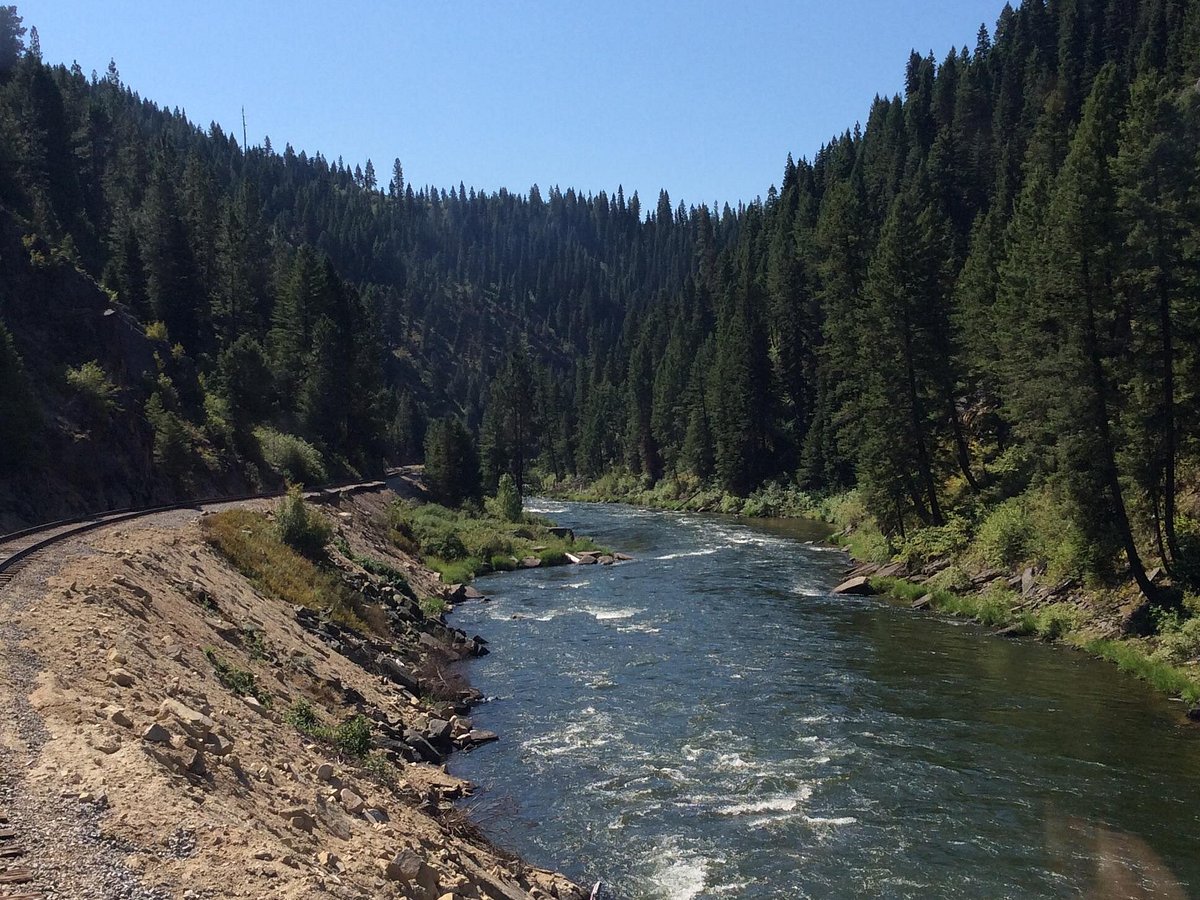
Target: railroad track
{"x":17,"y":550}
{"x":15,"y":879}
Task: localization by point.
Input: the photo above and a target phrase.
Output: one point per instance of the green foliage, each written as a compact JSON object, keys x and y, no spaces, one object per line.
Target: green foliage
{"x":252,"y":545}
{"x":292,"y":457}
{"x":451,"y":462}
{"x":353,"y":737}
{"x":935,"y":542}
{"x":433,"y":606}
{"x":461,"y":543}
{"x":175,"y":443}
{"x":300,"y":527}
{"x":1006,"y":537}
{"x":1178,"y":636}
{"x":301,"y":715}
{"x":240,"y":681}
{"x":1132,"y":658}
{"x":1056,"y":621}
{"x":508,"y":499}
{"x":95,"y":390}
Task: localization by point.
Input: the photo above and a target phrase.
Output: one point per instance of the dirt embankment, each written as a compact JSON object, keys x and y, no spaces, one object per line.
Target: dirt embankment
{"x":132,"y":769}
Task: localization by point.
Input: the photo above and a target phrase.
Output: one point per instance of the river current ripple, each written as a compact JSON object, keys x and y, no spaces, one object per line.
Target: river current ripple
{"x":709,"y":721}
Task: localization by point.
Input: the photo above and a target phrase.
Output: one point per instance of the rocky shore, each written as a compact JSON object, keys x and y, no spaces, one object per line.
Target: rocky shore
{"x":196,"y":734}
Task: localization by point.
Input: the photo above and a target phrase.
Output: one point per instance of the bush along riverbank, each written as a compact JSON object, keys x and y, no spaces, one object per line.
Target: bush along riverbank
{"x":1018,"y":566}
{"x":464,"y":542}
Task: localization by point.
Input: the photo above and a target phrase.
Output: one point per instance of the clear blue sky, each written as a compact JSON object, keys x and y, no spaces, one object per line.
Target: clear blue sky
{"x":703,"y":98}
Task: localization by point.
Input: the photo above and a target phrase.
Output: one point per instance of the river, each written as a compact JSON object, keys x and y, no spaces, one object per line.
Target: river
{"x":708,"y":721}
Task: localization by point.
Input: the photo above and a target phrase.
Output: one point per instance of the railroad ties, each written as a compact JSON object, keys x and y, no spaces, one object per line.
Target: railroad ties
{"x":15,"y":880}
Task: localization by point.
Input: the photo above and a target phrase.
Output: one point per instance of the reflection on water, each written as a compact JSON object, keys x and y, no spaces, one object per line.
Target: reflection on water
{"x":709,"y":722}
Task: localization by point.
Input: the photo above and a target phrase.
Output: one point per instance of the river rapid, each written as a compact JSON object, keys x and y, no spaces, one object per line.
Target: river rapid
{"x":709,"y":721}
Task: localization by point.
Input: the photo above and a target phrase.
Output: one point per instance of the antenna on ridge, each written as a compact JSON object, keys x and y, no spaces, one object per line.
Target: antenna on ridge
{"x":245,"y":142}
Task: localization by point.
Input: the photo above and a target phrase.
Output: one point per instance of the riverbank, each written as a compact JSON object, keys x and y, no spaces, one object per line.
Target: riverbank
{"x":988,"y":571}
{"x":242,"y":722}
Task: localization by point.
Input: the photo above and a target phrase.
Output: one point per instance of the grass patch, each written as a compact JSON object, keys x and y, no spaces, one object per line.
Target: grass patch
{"x":434,"y":606}
{"x":992,"y":608}
{"x":1132,"y":658}
{"x":250,"y":542}
{"x":462,"y":543}
{"x":351,"y":738}
{"x":239,"y":681}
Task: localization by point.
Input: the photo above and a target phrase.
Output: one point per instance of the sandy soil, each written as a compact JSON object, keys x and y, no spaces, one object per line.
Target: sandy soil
{"x":131,"y":771}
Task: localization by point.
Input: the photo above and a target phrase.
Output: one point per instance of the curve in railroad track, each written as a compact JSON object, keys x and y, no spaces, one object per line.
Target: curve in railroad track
{"x":17,"y":549}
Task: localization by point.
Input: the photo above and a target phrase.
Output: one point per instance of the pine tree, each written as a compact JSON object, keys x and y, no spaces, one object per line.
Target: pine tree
{"x":451,"y":462}
{"x":1155,"y":170}
{"x":1076,"y":292}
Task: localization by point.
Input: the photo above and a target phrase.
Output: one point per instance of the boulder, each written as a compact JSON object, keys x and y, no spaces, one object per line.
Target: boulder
{"x":193,"y":722}
{"x":218,"y":744}
{"x":118,"y":716}
{"x":438,"y":729}
{"x":395,"y":670}
{"x":375,"y":815}
{"x":531,"y":562}
{"x":299,"y":818}
{"x":859,"y":585}
{"x":606,"y":560}
{"x":470,"y":593}
{"x":405,"y":866}
{"x":923,"y":602}
{"x":480,"y":736}
{"x":156,"y":734}
{"x":325,"y":772}
{"x":196,"y":764}
{"x":1027,"y":582}
{"x":623,"y":557}
{"x":121,"y":678}
{"x":351,"y":802}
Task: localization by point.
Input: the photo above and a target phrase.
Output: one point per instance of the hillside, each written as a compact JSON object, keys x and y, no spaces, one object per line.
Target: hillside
{"x":173,"y":728}
{"x":974,"y":309}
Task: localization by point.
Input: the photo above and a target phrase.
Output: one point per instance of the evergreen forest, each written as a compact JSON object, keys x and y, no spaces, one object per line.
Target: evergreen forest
{"x":980,"y":305}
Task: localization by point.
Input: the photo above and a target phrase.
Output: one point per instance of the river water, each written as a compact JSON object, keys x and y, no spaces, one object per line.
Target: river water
{"x":708,"y":721}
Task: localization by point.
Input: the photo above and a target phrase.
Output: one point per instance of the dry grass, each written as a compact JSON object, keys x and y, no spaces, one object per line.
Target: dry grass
{"x":250,"y":543}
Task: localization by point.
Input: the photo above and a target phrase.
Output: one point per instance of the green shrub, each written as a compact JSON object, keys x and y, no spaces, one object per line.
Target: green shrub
{"x":95,"y":390}
{"x":294,"y":458}
{"x":508,"y":500}
{"x":995,"y":605}
{"x":241,"y":682}
{"x":1179,"y":638}
{"x":935,"y":542}
{"x":1006,"y":537}
{"x":353,"y":737}
{"x":299,"y":527}
{"x":301,"y":715}
{"x":952,"y":578}
{"x":1055,"y":621}
{"x":433,"y":606}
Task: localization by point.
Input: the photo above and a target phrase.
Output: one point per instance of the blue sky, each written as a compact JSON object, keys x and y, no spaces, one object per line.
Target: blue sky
{"x":703,"y":98}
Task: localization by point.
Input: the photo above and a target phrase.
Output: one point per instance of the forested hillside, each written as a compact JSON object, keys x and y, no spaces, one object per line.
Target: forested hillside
{"x":981,"y":303}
